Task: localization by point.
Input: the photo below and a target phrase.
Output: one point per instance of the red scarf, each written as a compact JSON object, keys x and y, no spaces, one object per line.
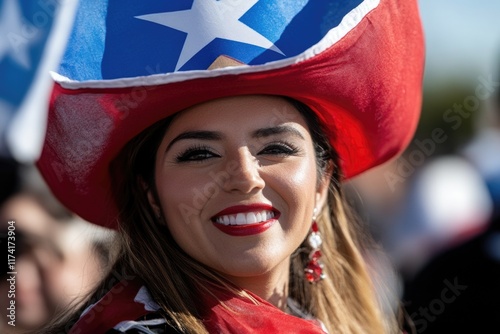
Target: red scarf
{"x":127,"y":301}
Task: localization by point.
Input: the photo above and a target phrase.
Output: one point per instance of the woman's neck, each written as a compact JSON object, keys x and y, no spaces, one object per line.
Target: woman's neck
{"x":271,"y":286}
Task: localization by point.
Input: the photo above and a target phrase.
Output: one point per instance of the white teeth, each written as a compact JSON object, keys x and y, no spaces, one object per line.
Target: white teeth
{"x":269,"y":215}
{"x":251,"y":218}
{"x":245,"y":219}
{"x":240,"y":219}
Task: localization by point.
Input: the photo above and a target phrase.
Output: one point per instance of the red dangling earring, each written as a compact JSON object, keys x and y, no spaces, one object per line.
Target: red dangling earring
{"x":314,"y":269}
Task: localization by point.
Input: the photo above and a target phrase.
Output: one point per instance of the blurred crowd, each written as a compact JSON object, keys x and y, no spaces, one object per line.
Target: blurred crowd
{"x":438,"y":218}
{"x":57,"y":256}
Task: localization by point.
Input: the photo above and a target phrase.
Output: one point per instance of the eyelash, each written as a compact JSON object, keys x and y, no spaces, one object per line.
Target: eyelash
{"x":201,"y":153}
{"x":196,"y":153}
{"x":285,"y":149}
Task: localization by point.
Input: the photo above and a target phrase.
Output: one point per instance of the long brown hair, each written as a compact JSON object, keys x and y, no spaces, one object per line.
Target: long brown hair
{"x":345,"y":301}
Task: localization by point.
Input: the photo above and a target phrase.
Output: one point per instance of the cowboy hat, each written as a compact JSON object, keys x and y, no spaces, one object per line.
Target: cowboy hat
{"x":357,"y":64}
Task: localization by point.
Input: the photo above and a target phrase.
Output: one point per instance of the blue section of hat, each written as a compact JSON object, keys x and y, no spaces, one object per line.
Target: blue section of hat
{"x":119,"y":38}
{"x":83,"y":57}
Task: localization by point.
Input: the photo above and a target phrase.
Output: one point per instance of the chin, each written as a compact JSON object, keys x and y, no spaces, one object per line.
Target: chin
{"x":250,"y":267}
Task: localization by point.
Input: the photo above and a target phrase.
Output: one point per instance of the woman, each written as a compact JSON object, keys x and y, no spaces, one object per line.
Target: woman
{"x":225,"y":183}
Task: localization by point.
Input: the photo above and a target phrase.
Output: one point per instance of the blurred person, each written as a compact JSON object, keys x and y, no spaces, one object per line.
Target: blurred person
{"x":458,"y":290}
{"x":58,"y":257}
{"x":416,"y":211}
{"x":484,"y":151}
{"x":446,"y":204}
{"x":9,"y":178}
{"x":32,"y":225}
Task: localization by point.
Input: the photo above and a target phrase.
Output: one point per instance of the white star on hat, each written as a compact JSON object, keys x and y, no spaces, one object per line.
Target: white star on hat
{"x":208,"y":20}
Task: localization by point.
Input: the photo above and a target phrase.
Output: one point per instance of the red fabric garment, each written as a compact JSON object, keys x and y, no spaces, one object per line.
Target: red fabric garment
{"x":241,"y":315}
{"x":237,"y":315}
{"x":117,"y":305}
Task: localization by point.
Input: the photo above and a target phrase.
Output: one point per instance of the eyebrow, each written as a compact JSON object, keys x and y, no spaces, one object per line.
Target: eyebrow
{"x":213,"y":135}
{"x":276,"y":130}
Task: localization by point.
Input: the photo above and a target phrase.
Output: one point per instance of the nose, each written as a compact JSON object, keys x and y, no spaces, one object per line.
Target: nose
{"x":244,"y":173}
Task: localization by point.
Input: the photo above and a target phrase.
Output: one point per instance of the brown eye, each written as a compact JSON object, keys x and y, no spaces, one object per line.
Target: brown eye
{"x":280,"y":149}
{"x":196,"y":154}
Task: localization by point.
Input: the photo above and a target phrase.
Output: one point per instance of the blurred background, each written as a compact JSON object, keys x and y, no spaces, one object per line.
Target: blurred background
{"x":434,"y":210}
{"x":460,"y":106}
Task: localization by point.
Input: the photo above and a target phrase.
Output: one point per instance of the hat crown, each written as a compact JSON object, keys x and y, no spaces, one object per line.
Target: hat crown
{"x":126,"y":38}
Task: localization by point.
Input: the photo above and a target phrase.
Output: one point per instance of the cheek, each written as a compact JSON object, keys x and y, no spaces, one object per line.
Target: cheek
{"x":300,"y":180}
{"x":295,"y":185}
{"x":304,"y":175}
{"x":176,"y":201}
{"x":183,"y":194}
{"x":183,"y":198}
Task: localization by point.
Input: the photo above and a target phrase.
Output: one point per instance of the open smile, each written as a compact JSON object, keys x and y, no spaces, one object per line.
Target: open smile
{"x":243,"y":220}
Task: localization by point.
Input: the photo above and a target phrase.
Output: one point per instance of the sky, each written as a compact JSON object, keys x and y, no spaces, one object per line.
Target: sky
{"x":462,"y":38}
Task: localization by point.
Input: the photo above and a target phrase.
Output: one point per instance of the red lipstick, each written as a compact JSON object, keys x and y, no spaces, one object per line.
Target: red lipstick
{"x":243,"y":229}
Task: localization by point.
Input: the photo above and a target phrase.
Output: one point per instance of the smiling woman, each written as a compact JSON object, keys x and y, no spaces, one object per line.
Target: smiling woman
{"x":248,"y":231}
{"x":225,"y":183}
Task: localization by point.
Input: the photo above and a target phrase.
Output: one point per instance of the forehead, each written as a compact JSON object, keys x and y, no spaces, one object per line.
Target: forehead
{"x":238,"y":111}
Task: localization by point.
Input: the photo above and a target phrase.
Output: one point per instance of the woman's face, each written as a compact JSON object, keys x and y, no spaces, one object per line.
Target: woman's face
{"x":237,"y":183}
